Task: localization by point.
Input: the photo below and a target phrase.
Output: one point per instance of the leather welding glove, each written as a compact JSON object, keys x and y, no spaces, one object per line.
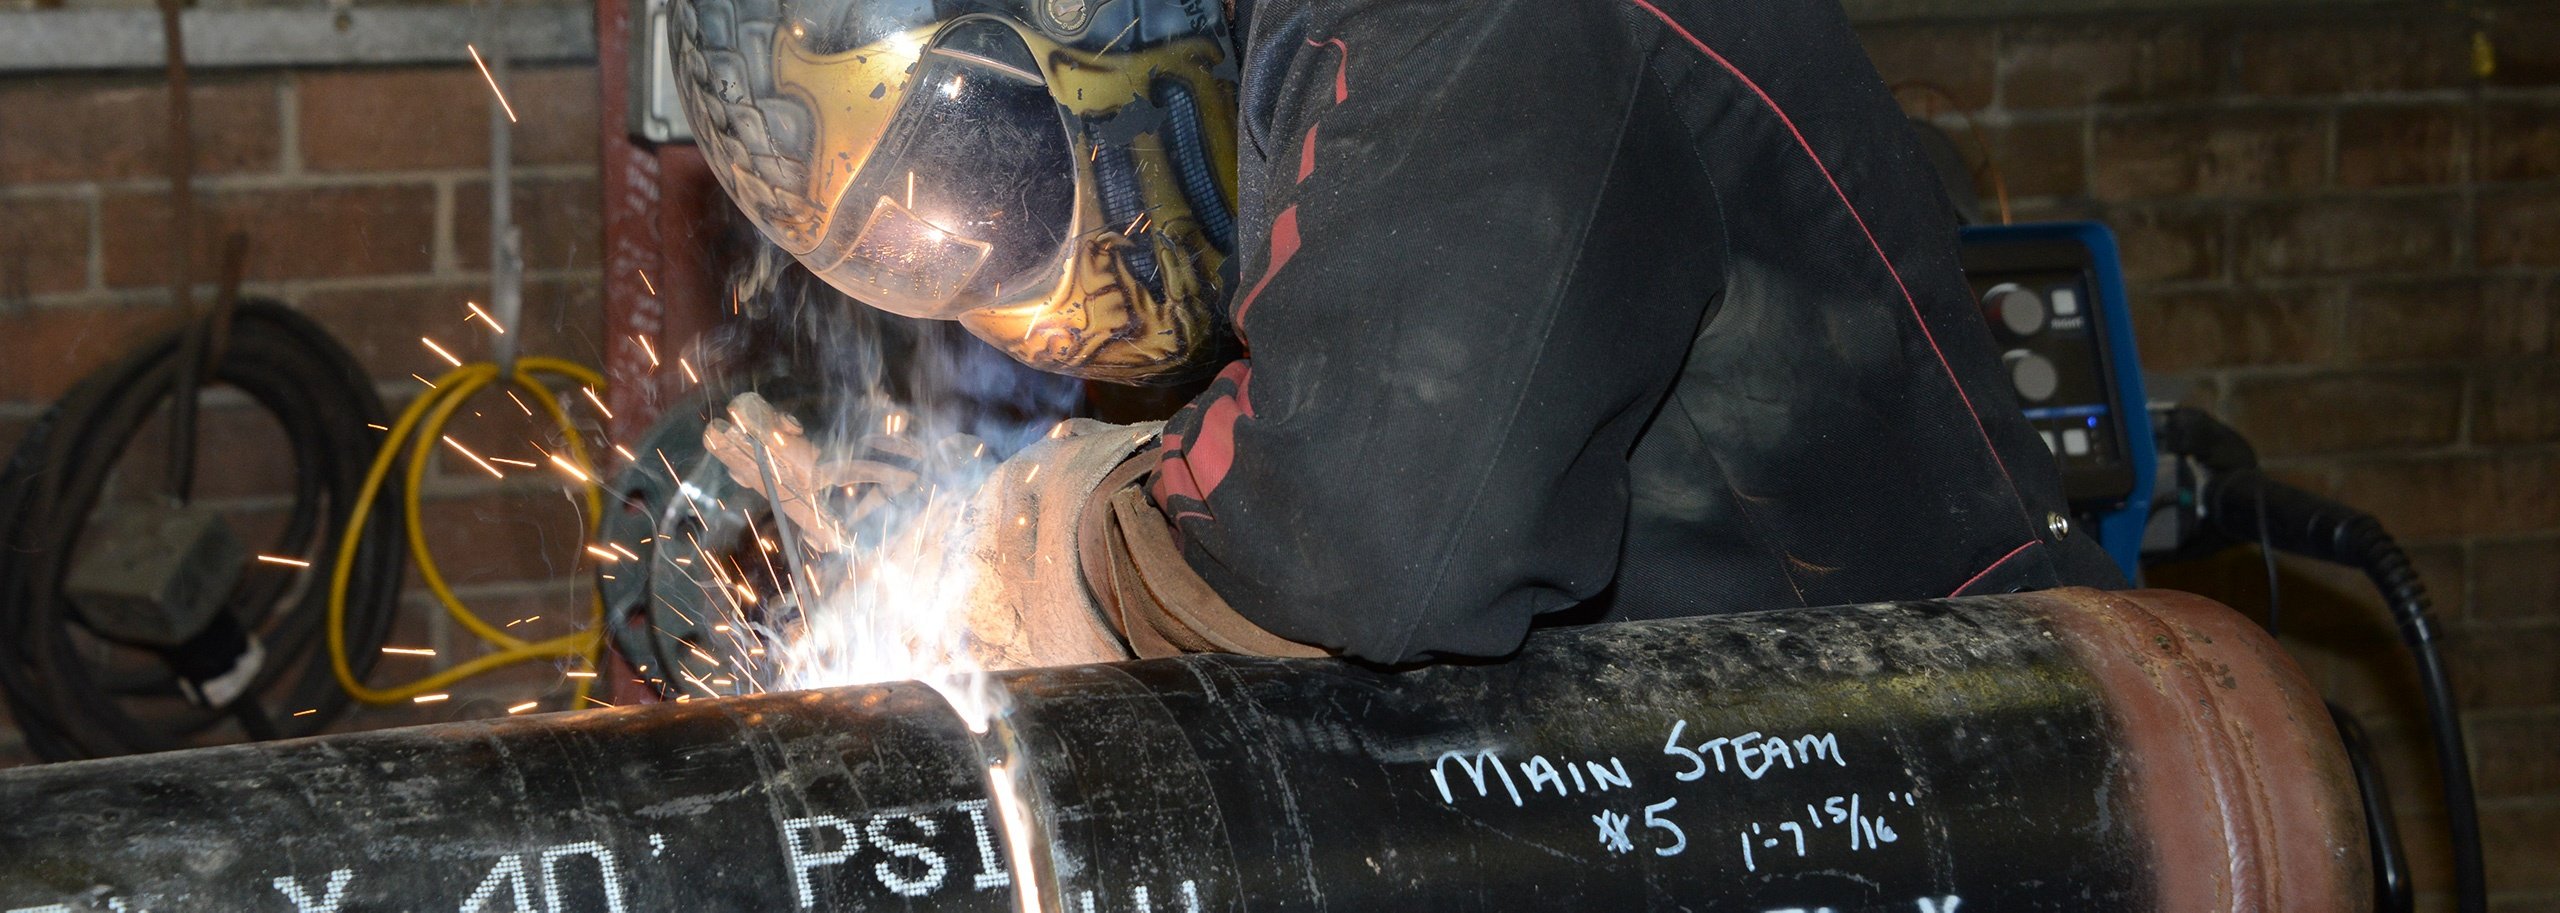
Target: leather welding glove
{"x":1078,"y":566}
{"x":1028,"y":604}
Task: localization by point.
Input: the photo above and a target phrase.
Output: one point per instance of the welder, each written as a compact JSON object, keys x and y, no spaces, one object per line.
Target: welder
{"x":1518,"y":312}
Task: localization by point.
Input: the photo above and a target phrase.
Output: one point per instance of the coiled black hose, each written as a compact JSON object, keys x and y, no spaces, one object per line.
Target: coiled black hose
{"x":323,"y":400}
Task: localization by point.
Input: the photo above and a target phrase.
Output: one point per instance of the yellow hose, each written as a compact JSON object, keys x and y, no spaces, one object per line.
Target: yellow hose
{"x":419,"y":427}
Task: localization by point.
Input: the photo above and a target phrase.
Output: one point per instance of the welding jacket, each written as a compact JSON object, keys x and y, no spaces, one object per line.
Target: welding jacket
{"x":1633,"y":308}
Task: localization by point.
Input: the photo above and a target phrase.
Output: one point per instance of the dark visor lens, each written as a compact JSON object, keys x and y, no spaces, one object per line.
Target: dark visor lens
{"x":978,"y":161}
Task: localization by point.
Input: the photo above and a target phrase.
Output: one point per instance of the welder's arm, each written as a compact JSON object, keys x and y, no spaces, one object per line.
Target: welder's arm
{"x":1467,"y":285}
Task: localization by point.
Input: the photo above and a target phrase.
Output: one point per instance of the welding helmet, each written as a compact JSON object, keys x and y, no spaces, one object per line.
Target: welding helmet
{"x":1057,"y":175}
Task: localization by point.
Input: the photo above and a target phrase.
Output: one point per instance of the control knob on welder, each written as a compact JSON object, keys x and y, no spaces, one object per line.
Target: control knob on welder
{"x":2021,"y":311}
{"x":2032,"y":374}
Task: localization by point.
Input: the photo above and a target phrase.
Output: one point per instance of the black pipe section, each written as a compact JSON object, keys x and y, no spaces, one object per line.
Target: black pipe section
{"x":2057,"y":751}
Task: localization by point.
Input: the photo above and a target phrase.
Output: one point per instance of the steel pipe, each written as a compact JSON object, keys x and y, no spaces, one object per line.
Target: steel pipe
{"x":2071,"y":750}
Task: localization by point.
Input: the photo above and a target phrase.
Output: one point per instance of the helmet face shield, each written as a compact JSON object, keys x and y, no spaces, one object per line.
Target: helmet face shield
{"x":1068,"y":198}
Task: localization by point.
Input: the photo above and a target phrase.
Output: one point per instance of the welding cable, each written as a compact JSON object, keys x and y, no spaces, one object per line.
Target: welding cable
{"x":67,"y":703}
{"x":419,"y":428}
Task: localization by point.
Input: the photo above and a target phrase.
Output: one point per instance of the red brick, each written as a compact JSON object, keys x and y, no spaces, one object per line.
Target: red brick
{"x":90,"y":128}
{"x":418,"y":118}
{"x":2516,"y":843}
{"x":2293,"y":416}
{"x":241,"y":452}
{"x":2036,"y":159}
{"x":2516,"y":755}
{"x":2220,"y":328}
{"x":2518,"y":404}
{"x":2329,"y":237}
{"x":2402,"y":144}
{"x":2447,"y":319}
{"x":2435,"y":497}
{"x":560,"y":219}
{"x":2209,"y":153}
{"x":2508,"y":668}
{"x":2524,"y":38}
{"x":1934,"y":68}
{"x":2162,"y":243}
{"x":2309,"y":56}
{"x":2519,"y":141}
{"x":2116,"y":62}
{"x":49,"y":349}
{"x":2520,"y":228}
{"x":44,"y":247}
{"x":382,"y":326}
{"x":2516,"y":580}
{"x":506,"y":536}
{"x":304,"y":233}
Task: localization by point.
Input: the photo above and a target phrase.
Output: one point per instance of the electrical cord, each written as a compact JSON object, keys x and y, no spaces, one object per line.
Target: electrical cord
{"x":419,"y":428}
{"x":69,"y":703}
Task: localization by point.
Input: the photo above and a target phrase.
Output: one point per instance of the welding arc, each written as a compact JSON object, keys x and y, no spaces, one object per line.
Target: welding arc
{"x":419,"y":428}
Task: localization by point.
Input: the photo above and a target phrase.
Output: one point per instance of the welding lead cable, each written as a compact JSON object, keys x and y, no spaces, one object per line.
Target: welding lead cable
{"x":67,"y":702}
{"x":419,"y":428}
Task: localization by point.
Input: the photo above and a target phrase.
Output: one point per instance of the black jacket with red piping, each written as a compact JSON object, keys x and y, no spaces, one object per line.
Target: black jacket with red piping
{"x":1600,"y":310}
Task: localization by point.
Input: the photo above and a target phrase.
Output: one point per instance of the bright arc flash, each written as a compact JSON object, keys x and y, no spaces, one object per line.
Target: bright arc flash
{"x":493,"y":82}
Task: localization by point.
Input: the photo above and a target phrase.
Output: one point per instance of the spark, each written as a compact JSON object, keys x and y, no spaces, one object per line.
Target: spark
{"x":527,"y":465}
{"x":605,"y":556}
{"x":523,"y":620}
{"x":724,"y":681}
{"x":1058,"y":431}
{"x":626,"y":454}
{"x":911,"y":190}
{"x":592,"y":699}
{"x":646,"y":347}
{"x":598,"y":400}
{"x":431,"y":385}
{"x":377,"y":427}
{"x":645,"y":283}
{"x":429,"y":698}
{"x":617,"y":546}
{"x":306,"y":712}
{"x":288,"y":562}
{"x":724,"y":629}
{"x":493,"y":82}
{"x":466,"y":451}
{"x":579,"y":674}
{"x":409,"y":651}
{"x":528,"y":410}
{"x":520,"y":708}
{"x":572,"y":469}
{"x":688,"y":370}
{"x":440,"y":352}
{"x":895,"y":423}
{"x":494,"y":326}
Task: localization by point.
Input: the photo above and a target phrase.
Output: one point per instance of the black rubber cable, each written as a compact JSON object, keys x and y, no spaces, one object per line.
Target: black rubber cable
{"x":55,"y":480}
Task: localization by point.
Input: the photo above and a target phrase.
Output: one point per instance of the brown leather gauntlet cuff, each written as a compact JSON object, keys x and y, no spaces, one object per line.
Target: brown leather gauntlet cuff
{"x":1138,"y":576}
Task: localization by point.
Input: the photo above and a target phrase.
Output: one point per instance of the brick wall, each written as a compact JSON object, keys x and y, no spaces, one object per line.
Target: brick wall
{"x":2345,"y":239}
{"x":364,"y":196}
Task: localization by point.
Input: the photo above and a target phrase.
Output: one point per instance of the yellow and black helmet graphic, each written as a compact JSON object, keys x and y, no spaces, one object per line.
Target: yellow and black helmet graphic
{"x":1057,"y":175}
